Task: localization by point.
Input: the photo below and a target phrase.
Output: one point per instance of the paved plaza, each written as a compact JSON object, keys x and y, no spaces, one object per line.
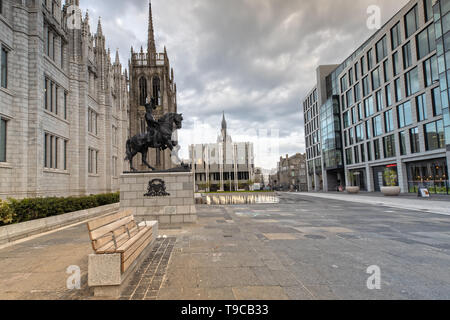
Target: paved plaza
{"x":302,"y":248}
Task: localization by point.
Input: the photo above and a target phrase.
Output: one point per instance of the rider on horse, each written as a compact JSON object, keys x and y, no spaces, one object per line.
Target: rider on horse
{"x":152,"y":124}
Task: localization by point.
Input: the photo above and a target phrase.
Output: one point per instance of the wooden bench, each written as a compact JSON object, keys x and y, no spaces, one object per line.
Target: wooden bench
{"x":119,"y":243}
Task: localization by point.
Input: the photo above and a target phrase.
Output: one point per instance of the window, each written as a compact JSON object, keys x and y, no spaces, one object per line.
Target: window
{"x":349,"y":97}
{"x":386,"y":71}
{"x":360,"y":112}
{"x":360,"y":133}
{"x":1,"y":6}
{"x":414,"y":138}
{"x":376,"y":146}
{"x":369,"y":151}
{"x":434,"y":135}
{"x":354,"y":117}
{"x":368,"y":131}
{"x":407,"y":56}
{"x":426,"y":42}
{"x":412,"y":82}
{"x":369,"y":59}
{"x":368,"y":106}
{"x":114,"y":136}
{"x":363,"y":66}
{"x":366,"y":86}
{"x":428,"y":10}
{"x":402,"y":138}
{"x":396,"y":36}
{"x":351,"y":136}
{"x":404,"y":114}
{"x":357,"y":91}
{"x":421,"y":103}
{"x":114,"y":166}
{"x":3,"y":124}
{"x":411,"y":22}
{"x":380,"y":102}
{"x":92,"y":161}
{"x":389,"y":146}
{"x":346,"y":119}
{"x":65,"y":105}
{"x":396,"y":64}
{"x":377,"y":126}
{"x":389,"y":121}
{"x":430,"y":69}
{"x":388,"y":95}
{"x":142,"y":91}
{"x":51,"y":96}
{"x":356,"y":71}
{"x":349,"y":156}
{"x":363,"y":153}
{"x":381,"y":48}
{"x":92,"y":121}
{"x":376,"y":81}
{"x":437,"y":102}
{"x":157,"y":90}
{"x":65,"y":154}
{"x":51,"y":148}
{"x":398,"y":90}
{"x":356,"y":152}
{"x":350,"y":76}
{"x":4,"y":68}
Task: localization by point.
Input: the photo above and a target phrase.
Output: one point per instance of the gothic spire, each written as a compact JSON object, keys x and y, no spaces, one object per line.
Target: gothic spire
{"x":151,"y":47}
{"x":224,"y":122}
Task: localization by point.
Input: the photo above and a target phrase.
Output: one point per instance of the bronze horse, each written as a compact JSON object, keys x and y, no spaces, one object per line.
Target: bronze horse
{"x":159,"y":138}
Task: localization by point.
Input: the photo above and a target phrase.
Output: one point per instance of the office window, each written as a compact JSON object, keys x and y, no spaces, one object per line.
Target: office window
{"x":388,"y":95}
{"x":404,"y":114}
{"x":407,"y":56}
{"x":437,"y":102}
{"x":368,"y":131}
{"x":396,"y":36}
{"x":428,"y":9}
{"x":368,"y":106}
{"x":344,"y":84}
{"x":421,"y":102}
{"x":389,"y":146}
{"x":426,"y":42}
{"x":380,"y":101}
{"x":349,"y":156}
{"x":369,"y":59}
{"x":359,"y":133}
{"x":377,"y":126}
{"x":4,"y":68}
{"x":366,"y":86}
{"x":389,"y":121}
{"x":349,"y":96}
{"x":369,"y":151}
{"x":350,"y":76}
{"x":402,"y":138}
{"x":386,"y":67}
{"x":354,"y":117}
{"x":414,"y":138}
{"x":412,"y":82}
{"x":381,"y":48}
{"x":434,"y":135}
{"x":363,"y":153}
{"x":376,"y":147}
{"x":356,"y":153}
{"x":363,"y":66}
{"x":398,"y":90}
{"x":351,"y":136}
{"x":411,"y":22}
{"x":360,"y":112}
{"x":396,"y":63}
{"x":3,"y":124}
{"x":376,"y":80}
{"x":346,"y":119}
{"x":356,"y":71}
{"x":357,"y":90}
{"x":430,"y":68}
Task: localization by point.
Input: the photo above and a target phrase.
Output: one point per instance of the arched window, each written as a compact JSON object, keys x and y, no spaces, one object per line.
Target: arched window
{"x":142,"y":90}
{"x":157,"y":90}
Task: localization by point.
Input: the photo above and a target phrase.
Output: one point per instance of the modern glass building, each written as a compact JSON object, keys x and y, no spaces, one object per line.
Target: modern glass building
{"x":386,"y":108}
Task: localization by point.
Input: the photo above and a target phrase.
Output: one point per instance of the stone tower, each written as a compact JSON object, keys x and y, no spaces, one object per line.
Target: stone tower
{"x":151,"y":76}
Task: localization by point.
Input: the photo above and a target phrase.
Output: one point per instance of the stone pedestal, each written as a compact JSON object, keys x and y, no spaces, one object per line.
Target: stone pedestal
{"x":176,"y":207}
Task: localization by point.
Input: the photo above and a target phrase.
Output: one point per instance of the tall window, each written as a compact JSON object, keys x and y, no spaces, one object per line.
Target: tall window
{"x":92,"y":121}
{"x":381,"y":48}
{"x":421,"y":103}
{"x":407,"y":55}
{"x":142,"y":91}
{"x":414,"y":138}
{"x":65,"y":154}
{"x":376,"y":80}
{"x":368,"y":105}
{"x":430,"y":68}
{"x":1,"y":6}
{"x":376,"y":147}
{"x":396,"y":63}
{"x":157,"y":90}
{"x":404,"y":114}
{"x":4,"y":68}
{"x":380,"y":101}
{"x":377,"y":126}
{"x":411,"y":22}
{"x":389,"y":121}
{"x":3,"y":124}
{"x":51,"y":148}
{"x":434,"y":135}
{"x":398,"y":90}
{"x":369,"y":151}
{"x":366,"y":87}
{"x":389,"y":146}
{"x":386,"y":71}
{"x":402,"y":137}
{"x":388,"y":95}
{"x":92,"y":161}
{"x":369,"y":59}
{"x":65,"y":104}
{"x":396,"y":36}
{"x":437,"y":102}
{"x":426,"y":42}
{"x":428,"y":9}
{"x":412,"y":82}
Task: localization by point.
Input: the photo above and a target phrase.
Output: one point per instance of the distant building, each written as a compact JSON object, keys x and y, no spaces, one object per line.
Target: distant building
{"x":291,"y":174}
{"x":224,"y":166}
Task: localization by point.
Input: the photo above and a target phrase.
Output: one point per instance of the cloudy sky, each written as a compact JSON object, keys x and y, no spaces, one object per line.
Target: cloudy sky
{"x":253,"y":59}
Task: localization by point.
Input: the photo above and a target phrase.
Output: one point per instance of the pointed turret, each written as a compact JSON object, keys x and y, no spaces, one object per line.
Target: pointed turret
{"x":117,"y":60}
{"x":224,"y":122}
{"x":99,"y":27}
{"x":151,"y":46}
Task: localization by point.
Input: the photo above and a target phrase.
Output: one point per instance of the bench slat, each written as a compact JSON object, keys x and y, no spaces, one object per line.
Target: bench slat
{"x":127,"y":263}
{"x":140,"y":236}
{"x":100,"y":222}
{"x":98,"y":233}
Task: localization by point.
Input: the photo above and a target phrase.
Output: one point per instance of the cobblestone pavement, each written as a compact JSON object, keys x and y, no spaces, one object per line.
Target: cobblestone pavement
{"x":301,"y":248}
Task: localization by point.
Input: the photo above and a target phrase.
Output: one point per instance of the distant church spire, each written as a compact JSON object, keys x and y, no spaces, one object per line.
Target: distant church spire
{"x":151,"y":35}
{"x":224,"y":122}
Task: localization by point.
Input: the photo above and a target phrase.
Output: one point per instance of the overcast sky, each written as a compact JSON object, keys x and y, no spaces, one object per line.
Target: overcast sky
{"x":253,"y":59}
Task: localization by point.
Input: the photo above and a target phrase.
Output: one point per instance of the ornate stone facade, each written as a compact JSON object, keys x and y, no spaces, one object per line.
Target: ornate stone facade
{"x":64,"y":104}
{"x":151,"y":76}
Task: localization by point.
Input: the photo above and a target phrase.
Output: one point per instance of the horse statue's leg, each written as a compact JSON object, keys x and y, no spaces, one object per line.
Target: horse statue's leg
{"x":144,"y":160}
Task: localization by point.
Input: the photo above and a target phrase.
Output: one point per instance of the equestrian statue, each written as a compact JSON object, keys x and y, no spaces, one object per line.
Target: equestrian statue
{"x":158,"y":135}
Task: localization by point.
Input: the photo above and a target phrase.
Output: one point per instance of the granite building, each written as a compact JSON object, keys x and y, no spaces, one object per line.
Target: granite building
{"x":151,"y":76}
{"x":223,"y":166}
{"x":63,"y":103}
{"x":291,"y":174}
{"x":386,"y":107}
